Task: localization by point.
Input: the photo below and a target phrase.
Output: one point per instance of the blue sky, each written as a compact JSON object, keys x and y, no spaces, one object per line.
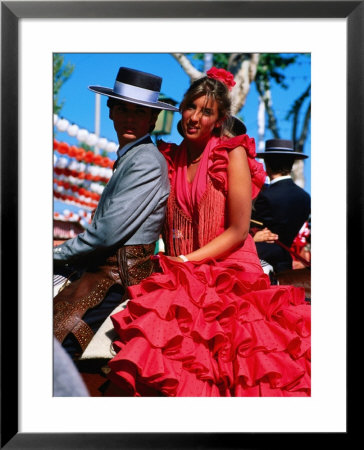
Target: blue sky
{"x":101,"y":69}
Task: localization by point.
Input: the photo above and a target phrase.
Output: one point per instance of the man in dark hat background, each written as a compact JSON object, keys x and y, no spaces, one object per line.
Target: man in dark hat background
{"x":115,"y":250}
{"x":282,"y":206}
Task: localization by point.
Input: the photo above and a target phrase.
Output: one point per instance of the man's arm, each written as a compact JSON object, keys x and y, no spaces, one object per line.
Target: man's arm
{"x":136,"y":196}
{"x":262,"y":210}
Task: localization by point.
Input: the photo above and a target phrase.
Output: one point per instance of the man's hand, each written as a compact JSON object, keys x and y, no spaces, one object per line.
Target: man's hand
{"x":175,"y":258}
{"x":265,"y":235}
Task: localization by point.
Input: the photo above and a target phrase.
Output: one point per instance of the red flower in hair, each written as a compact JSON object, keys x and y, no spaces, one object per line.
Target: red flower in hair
{"x":222,"y":75}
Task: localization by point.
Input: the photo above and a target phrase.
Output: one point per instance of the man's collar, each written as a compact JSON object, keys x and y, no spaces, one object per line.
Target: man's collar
{"x":121,"y":151}
{"x":283,"y":177}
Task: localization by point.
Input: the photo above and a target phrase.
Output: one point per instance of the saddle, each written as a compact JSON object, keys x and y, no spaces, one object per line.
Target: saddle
{"x":128,"y":266}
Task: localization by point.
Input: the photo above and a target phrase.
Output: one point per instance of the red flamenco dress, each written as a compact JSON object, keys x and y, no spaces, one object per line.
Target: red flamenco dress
{"x":214,"y":327}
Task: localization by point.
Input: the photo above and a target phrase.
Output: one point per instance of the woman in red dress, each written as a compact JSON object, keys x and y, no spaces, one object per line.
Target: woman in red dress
{"x":210,"y":324}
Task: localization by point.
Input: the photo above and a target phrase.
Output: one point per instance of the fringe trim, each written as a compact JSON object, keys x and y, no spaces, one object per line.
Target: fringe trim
{"x":183,"y":234}
{"x":211,"y":211}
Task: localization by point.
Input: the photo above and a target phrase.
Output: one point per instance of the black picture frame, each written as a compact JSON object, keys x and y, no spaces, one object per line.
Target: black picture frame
{"x":11,"y":12}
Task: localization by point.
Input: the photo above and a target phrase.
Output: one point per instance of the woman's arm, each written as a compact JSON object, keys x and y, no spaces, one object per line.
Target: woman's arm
{"x":239,"y":209}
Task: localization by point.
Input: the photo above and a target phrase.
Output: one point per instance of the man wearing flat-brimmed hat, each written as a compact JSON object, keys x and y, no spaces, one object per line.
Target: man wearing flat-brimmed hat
{"x":117,"y":247}
{"x":282,"y":206}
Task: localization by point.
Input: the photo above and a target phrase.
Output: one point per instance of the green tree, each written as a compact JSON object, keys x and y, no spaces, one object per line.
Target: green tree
{"x":299,"y":138}
{"x":61,"y":72}
{"x":269,"y":69}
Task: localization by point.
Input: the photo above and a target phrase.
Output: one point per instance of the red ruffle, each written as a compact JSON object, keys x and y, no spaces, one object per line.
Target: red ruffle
{"x":220,"y":159}
{"x":207,"y":329}
{"x":168,"y":150}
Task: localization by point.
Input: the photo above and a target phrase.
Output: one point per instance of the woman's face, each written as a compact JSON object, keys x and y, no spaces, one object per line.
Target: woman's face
{"x":199,"y":118}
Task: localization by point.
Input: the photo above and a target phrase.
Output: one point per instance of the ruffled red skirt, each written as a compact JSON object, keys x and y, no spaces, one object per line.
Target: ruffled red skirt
{"x":210,"y":329}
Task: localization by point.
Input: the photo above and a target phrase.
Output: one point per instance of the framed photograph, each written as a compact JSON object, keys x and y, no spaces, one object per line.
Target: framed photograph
{"x":30,"y":33}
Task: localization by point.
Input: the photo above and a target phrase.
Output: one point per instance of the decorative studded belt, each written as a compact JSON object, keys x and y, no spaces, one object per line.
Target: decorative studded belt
{"x":128,"y":266}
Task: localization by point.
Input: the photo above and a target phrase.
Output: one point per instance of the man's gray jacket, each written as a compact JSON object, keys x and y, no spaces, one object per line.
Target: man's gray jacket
{"x":131,"y":209}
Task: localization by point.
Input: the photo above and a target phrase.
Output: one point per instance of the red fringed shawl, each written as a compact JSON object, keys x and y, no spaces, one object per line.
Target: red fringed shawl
{"x":196,"y":212}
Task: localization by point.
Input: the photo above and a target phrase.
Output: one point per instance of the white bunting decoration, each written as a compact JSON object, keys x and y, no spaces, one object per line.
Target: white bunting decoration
{"x":83,"y":135}
{"x":73,"y":130}
{"x":91,"y":139}
{"x":62,"y":162}
{"x":102,"y":143}
{"x":80,"y":175}
{"x":82,"y":216}
{"x":111,"y":147}
{"x":62,"y":125}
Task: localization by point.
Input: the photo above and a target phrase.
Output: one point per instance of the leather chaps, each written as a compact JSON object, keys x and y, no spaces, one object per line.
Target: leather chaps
{"x":128,"y":266}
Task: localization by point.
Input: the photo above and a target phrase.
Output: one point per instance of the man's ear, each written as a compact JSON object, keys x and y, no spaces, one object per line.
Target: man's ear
{"x":111,"y":112}
{"x":154,"y":117}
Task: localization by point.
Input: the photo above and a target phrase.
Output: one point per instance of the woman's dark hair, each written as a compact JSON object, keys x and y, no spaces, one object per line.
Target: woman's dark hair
{"x":213,"y":89}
